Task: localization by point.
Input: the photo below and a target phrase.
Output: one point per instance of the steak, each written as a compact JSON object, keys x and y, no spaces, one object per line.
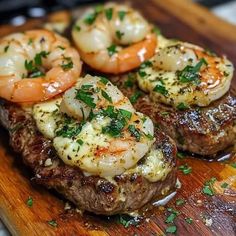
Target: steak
{"x":204,"y":131}
{"x":124,"y":193}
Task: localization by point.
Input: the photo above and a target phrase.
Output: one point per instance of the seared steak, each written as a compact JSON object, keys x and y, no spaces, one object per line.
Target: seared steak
{"x":203,"y":131}
{"x":124,"y":193}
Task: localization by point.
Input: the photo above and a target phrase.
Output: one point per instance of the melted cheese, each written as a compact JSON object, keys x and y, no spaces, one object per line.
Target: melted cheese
{"x":46,"y":116}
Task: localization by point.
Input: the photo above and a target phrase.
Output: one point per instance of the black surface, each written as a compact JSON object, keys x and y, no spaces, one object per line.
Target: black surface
{"x":11,"y":9}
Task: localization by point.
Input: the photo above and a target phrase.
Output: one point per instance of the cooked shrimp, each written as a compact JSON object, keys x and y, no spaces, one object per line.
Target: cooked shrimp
{"x":108,"y":141}
{"x":182,"y":74}
{"x":103,"y":94}
{"x":114,"y":39}
{"x":36,"y":65}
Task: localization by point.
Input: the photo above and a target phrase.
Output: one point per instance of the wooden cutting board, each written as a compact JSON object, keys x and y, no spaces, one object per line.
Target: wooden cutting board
{"x":212,"y":215}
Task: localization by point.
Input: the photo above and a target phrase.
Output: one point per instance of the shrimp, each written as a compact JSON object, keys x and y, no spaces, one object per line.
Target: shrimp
{"x":114,"y":39}
{"x":108,"y":137}
{"x":183,"y":74}
{"x":36,"y":65}
{"x":103,"y":94}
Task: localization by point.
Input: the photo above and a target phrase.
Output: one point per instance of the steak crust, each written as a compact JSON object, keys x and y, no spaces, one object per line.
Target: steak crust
{"x":204,"y":131}
{"x":124,"y":193}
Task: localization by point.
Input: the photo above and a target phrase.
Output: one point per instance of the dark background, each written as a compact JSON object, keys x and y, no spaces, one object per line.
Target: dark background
{"x":17,"y":11}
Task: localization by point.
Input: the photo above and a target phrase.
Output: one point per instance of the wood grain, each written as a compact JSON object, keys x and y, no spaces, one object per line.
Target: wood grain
{"x":177,"y":19}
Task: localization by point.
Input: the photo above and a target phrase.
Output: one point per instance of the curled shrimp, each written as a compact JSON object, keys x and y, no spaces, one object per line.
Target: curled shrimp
{"x":103,"y":94}
{"x":114,"y":38}
{"x":36,"y":65}
{"x":108,"y":136}
{"x":183,"y":74}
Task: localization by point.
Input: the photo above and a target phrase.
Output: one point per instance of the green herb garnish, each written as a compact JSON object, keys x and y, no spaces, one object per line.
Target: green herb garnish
{"x":189,"y":220}
{"x":156,"y":30}
{"x":68,"y":64}
{"x":121,"y":15}
{"x":133,"y":99}
{"x":159,"y":88}
{"x":109,"y":13}
{"x":182,"y":106}
{"x":77,"y":27}
{"x":104,"y":80}
{"x":142,"y":73}
{"x":180,"y":202}
{"x":89,"y":19}
{"x":224,"y":185}
{"x":6,"y":48}
{"x":85,"y":96}
{"x":52,"y":223}
{"x":208,"y":187}
{"x":233,"y":165}
{"x":119,"y":34}
{"x":134,"y":132}
{"x":191,"y":73}
{"x":29,"y":202}
{"x":171,"y":229}
{"x":112,"y":50}
{"x":106,"y":96}
{"x":185,"y":169}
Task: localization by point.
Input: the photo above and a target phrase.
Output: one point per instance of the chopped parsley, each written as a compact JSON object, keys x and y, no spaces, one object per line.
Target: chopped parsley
{"x":180,"y":202}
{"x":83,"y":94}
{"x":126,"y":220}
{"x":142,"y":73}
{"x":118,"y":121}
{"x":224,"y":185}
{"x":189,"y":220}
{"x":182,"y":106}
{"x":134,"y":132}
{"x":133,"y":99}
{"x":80,"y":141}
{"x":233,"y":165}
{"x":208,"y":187}
{"x":121,"y":15}
{"x":62,"y":48}
{"x":89,"y":19}
{"x":191,"y":73}
{"x":106,"y":96}
{"x":29,"y":202}
{"x":69,"y":129}
{"x":160,"y":88}
{"x":109,"y":13}
{"x":32,"y":66}
{"x":171,"y":218}
{"x":30,"y":41}
{"x":126,"y":114}
{"x":6,"y":48}
{"x":68,"y":64}
{"x":77,"y":27}
{"x":185,"y":169}
{"x":180,"y":155}
{"x":52,"y":223}
{"x":112,"y":50}
{"x":156,"y":30}
{"x":129,"y":83}
{"x":119,"y":34}
{"x":39,"y":56}
{"x":171,"y":229}
{"x":146,"y":64}
{"x":104,"y":80}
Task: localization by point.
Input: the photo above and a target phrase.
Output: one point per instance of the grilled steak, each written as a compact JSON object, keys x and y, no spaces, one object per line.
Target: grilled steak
{"x":122,"y":194}
{"x":203,"y":131}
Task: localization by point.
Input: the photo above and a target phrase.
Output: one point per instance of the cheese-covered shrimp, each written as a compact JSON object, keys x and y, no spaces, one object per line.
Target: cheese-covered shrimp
{"x":182,"y":74}
{"x":114,"y":38}
{"x":97,"y":129}
{"x":78,"y":104}
{"x":36,"y":65}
